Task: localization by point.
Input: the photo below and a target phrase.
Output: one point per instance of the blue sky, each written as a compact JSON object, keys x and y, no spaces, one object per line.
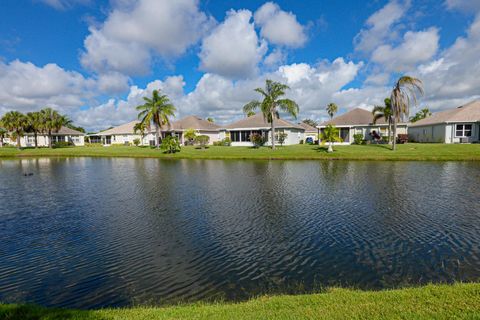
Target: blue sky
{"x":94,"y":60}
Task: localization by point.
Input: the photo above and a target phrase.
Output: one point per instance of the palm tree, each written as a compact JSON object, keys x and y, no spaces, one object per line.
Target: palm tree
{"x":331,"y":134}
{"x":35,"y":125}
{"x":250,"y":113}
{"x":404,"y":93}
{"x":386,"y":113}
{"x":332,"y":108}
{"x":141,"y":128}
{"x":53,"y":122}
{"x":271,"y":104}
{"x":157,"y":109}
{"x":14,"y":122}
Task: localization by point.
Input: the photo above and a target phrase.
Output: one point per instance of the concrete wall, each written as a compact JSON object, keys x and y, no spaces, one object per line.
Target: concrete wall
{"x":429,"y":134}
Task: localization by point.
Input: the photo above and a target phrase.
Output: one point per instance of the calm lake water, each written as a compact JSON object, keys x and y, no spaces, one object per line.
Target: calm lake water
{"x":91,"y":233}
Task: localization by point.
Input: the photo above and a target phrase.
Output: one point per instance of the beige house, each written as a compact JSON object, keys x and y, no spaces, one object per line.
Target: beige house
{"x":459,"y":125}
{"x":239,"y":132}
{"x":311,"y":133}
{"x":360,"y":121}
{"x":125,"y":134}
{"x":201,"y":127}
{"x":65,"y":134}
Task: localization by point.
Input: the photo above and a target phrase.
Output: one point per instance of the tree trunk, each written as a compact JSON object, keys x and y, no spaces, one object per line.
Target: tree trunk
{"x":1,"y":141}
{"x":36,"y":141}
{"x":394,"y":142}
{"x":273,"y":133}
{"x":19,"y":146}
{"x":50,"y":145}
{"x":389,"y":131}
{"x":157,"y":136}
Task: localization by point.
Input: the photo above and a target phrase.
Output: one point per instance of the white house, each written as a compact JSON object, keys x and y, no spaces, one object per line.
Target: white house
{"x":459,"y":125}
{"x":122,"y":135}
{"x":65,"y":134}
{"x":239,"y":132}
{"x":201,"y":127}
{"x":360,"y":121}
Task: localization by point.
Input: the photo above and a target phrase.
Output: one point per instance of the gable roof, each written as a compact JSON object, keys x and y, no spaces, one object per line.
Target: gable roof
{"x":67,"y":130}
{"x":193,"y":122}
{"x":258,"y":122}
{"x":126,"y":128}
{"x":469,"y":112}
{"x":357,"y":116}
{"x":307,"y":127}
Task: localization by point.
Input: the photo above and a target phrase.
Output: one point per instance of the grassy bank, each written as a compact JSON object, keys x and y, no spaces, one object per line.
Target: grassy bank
{"x":453,"y":152}
{"x":459,"y":301}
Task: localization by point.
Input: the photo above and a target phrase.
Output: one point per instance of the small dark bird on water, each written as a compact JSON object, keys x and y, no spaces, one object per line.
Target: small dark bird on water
{"x":28,"y":174}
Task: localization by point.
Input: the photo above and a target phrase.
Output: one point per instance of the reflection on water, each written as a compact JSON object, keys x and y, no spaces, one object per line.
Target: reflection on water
{"x":89,"y":233}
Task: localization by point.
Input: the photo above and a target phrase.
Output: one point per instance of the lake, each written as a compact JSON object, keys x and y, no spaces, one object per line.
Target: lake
{"x":89,"y":233}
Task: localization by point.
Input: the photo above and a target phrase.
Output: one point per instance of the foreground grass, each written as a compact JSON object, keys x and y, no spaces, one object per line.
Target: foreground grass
{"x":453,"y":152}
{"x":458,"y":301}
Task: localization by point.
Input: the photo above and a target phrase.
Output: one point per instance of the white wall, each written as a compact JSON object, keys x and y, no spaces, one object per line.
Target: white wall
{"x":42,"y":140}
{"x":438,"y":133}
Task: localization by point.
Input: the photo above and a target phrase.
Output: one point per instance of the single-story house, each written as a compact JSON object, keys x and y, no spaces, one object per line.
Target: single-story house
{"x":239,"y":132}
{"x":201,"y":127}
{"x":65,"y":134}
{"x":125,"y":134}
{"x":360,"y":121}
{"x":459,"y":125}
{"x":311,"y":133}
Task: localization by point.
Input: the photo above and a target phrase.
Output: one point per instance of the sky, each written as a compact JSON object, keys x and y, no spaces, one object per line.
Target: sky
{"x":96,"y":60}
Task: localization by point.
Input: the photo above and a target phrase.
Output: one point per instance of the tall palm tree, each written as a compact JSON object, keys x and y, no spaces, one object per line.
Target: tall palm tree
{"x":141,"y":128}
{"x":271,"y":104}
{"x":14,"y":122}
{"x":404,"y":94}
{"x":158,"y":110}
{"x":53,"y":122}
{"x":332,"y":108}
{"x":35,"y":125}
{"x":385,"y":112}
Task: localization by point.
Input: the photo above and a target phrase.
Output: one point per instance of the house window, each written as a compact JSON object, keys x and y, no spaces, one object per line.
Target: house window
{"x":235,"y":136}
{"x":463,"y":130}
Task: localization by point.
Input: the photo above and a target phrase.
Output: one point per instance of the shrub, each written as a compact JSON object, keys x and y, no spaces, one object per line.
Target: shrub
{"x":402,"y":138}
{"x":189,"y":137}
{"x":227,"y":142}
{"x":170,"y":144}
{"x":258,"y":140}
{"x":89,"y":144}
{"x":385,"y":139}
{"x":357,"y":138}
{"x":136,"y":142}
{"x":62,"y":144}
{"x":202,"y":141}
{"x":282,"y":136}
{"x":301,"y":141}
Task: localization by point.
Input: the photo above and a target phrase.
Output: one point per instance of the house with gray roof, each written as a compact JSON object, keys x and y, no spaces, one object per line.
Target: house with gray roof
{"x":65,"y":134}
{"x":458,"y":125}
{"x":240,"y":131}
{"x":311,"y":133}
{"x":360,"y":121}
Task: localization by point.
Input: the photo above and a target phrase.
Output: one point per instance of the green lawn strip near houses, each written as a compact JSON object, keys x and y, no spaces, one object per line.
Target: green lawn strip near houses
{"x":411,"y":151}
{"x":459,"y":301}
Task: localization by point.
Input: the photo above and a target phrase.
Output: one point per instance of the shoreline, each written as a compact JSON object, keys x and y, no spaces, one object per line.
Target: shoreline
{"x":444,"y":301}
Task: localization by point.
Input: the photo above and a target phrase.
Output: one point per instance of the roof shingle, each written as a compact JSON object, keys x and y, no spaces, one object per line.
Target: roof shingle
{"x":469,"y":112}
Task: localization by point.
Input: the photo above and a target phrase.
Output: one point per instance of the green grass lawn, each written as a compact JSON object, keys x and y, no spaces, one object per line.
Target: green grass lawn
{"x":458,"y":301}
{"x":363,"y":152}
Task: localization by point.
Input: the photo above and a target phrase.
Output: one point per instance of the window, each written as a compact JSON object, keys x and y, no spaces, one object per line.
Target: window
{"x":235,"y":136}
{"x":463,"y":130}
{"x":245,"y":135}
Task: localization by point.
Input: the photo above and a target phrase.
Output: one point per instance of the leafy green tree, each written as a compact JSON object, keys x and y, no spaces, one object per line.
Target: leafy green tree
{"x":78,"y":128}
{"x":157,"y":109}
{"x":170,"y":144}
{"x":385,"y":112}
{"x":272,"y":104}
{"x":403,"y":95}
{"x":250,"y":113}
{"x":136,"y":142}
{"x":202,"y":140}
{"x":15,"y":123}
{"x":310,"y":122}
{"x":209,"y":119}
{"x":422,"y":114}
{"x":332,"y":108}
{"x":53,"y":122}
{"x":258,"y":140}
{"x":140,"y":127}
{"x":3,"y":134}
{"x":35,"y":125}
{"x":282,"y":136}
{"x":331,"y":134}
{"x":190,"y":136}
